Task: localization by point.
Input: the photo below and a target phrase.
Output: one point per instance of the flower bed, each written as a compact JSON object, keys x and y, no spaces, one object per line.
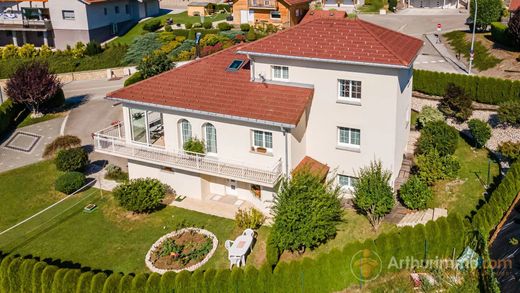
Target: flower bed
{"x":185,"y":249}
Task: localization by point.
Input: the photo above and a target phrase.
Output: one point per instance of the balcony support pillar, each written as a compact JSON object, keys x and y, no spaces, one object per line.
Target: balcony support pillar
{"x":24,"y":37}
{"x":15,"y":38}
{"x":46,"y":38}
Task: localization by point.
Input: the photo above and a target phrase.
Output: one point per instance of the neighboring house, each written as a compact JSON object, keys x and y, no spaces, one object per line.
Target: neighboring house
{"x":434,"y":3}
{"x":283,"y":13}
{"x":59,"y":23}
{"x":200,"y":8}
{"x":334,"y":93}
{"x":514,"y":7}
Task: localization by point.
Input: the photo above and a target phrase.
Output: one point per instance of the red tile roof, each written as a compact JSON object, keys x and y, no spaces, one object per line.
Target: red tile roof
{"x":514,"y":5}
{"x":344,"y":40}
{"x":205,"y":85}
{"x":314,"y":14}
{"x":296,"y":2}
{"x":307,"y":163}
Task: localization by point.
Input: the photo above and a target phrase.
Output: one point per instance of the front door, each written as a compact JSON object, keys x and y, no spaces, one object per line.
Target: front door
{"x":231,"y":188}
{"x":244,"y":16}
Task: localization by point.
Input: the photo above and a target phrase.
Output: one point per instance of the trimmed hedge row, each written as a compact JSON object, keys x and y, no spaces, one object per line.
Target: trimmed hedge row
{"x":500,"y":34}
{"x":486,"y":90}
{"x":9,"y":111}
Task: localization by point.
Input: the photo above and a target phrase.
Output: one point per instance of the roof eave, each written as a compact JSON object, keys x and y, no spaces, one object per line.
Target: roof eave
{"x":212,"y":114}
{"x":251,"y":53}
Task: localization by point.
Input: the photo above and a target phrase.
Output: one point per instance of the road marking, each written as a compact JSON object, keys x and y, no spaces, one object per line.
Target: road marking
{"x":402,"y":27}
{"x":62,"y":129}
{"x":432,"y":62}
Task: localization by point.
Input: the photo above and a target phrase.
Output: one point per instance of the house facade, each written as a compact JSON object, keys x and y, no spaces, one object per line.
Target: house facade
{"x":284,"y":13}
{"x":333,"y":91}
{"x":58,"y":23}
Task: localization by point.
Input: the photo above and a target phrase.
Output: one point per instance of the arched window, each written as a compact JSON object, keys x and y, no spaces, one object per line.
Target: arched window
{"x":185,"y":131}
{"x":210,"y":137}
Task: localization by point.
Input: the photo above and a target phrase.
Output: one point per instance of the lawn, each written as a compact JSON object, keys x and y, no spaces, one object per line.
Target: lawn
{"x":109,"y":238}
{"x":30,"y":120}
{"x":182,"y":17}
{"x":463,"y":194}
{"x":483,"y":58}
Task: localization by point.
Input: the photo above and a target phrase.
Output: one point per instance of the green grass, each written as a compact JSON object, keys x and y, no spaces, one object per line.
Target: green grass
{"x":463,"y":194}
{"x":30,"y":121}
{"x":483,"y":58}
{"x":109,"y":238}
{"x":182,"y":17}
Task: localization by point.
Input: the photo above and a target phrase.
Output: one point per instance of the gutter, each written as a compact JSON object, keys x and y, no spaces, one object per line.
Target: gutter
{"x":211,"y":114}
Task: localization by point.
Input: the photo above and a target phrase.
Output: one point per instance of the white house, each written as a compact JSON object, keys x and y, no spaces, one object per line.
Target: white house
{"x":333,"y":91}
{"x":58,"y":23}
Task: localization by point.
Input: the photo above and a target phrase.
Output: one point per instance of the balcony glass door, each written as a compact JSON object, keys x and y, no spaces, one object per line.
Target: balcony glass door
{"x":147,"y":127}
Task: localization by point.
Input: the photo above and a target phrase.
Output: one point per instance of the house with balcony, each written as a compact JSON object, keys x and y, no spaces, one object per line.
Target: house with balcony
{"x":282,"y":13}
{"x":58,"y":23}
{"x":331,"y":92}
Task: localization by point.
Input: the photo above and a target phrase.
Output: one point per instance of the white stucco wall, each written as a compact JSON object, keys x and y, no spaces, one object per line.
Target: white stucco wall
{"x":80,"y":13}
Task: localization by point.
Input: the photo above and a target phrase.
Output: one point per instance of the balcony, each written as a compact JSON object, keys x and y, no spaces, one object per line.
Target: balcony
{"x":111,"y":141}
{"x":262,"y":4}
{"x":25,"y":24}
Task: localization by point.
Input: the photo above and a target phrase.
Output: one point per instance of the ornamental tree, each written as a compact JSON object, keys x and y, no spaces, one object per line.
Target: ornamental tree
{"x":416,"y":194}
{"x":306,"y":211}
{"x":373,"y":195}
{"x":155,"y":64}
{"x":488,"y":11}
{"x":514,"y":27}
{"x":32,"y":85}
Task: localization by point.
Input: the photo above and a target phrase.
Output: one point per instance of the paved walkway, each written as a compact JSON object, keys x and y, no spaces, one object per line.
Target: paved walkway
{"x":25,"y":145}
{"x":446,"y":54}
{"x":217,"y":205}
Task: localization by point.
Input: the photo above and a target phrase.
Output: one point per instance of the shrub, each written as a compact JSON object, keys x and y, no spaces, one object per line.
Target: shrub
{"x":116,"y":173}
{"x":188,"y":26}
{"x":27,"y":51}
{"x":373,"y":194}
{"x":510,"y":150}
{"x":142,"y":46}
{"x":433,"y":167}
{"x":509,"y":112}
{"x":207,"y":25}
{"x":168,"y":28}
{"x":251,"y":35}
{"x":500,"y":34}
{"x":197,"y":25}
{"x":9,"y":51}
{"x":9,"y":111}
{"x":480,"y":131}
{"x":134,"y":78}
{"x":155,"y":64}
{"x":245,"y":27}
{"x":514,"y":29}
{"x":306,"y":211}
{"x":392,"y":4}
{"x":251,"y":218}
{"x":63,"y":142}
{"x":69,"y":182}
{"x":93,"y":48}
{"x":192,"y":34}
{"x":152,"y":25}
{"x":140,"y":195}
{"x":56,"y":101}
{"x":75,"y":159}
{"x":416,"y":194}
{"x":428,"y":114}
{"x":195,"y":145}
{"x":456,"y":103}
{"x":224,"y":26}
{"x":439,"y":136}
{"x":488,"y":12}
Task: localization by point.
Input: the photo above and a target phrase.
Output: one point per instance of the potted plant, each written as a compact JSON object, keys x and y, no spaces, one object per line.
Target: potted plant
{"x":195,"y":146}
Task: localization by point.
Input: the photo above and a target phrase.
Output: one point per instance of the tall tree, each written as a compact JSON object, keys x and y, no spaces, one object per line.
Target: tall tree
{"x":514,"y":27}
{"x":373,"y":194}
{"x":32,"y":84}
{"x":488,"y":11}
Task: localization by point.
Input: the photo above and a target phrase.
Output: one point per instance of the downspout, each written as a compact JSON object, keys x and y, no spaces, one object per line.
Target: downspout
{"x":284,"y":130}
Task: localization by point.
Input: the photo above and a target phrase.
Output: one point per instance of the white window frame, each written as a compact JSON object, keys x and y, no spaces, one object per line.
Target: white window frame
{"x":181,"y":131}
{"x":281,"y":67}
{"x":69,"y":12}
{"x":350,"y":182}
{"x":206,"y":140}
{"x":264,"y":140}
{"x":348,"y":144}
{"x":350,"y":87}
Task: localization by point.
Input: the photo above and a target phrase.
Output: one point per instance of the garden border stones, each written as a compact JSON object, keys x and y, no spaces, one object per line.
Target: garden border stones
{"x":156,"y":245}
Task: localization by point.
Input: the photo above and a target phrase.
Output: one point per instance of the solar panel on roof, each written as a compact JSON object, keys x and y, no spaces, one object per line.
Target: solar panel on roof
{"x":235,"y":65}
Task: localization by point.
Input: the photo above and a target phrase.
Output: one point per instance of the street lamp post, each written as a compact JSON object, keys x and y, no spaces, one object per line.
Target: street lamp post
{"x":471,"y":52}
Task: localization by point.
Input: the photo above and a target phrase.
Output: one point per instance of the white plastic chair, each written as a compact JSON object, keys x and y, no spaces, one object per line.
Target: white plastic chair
{"x":234,"y":261}
{"x":228,"y":244}
{"x":249,"y":232}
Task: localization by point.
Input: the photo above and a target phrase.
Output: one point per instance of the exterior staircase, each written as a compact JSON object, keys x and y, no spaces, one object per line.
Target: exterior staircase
{"x":422,"y":217}
{"x":404,"y":173}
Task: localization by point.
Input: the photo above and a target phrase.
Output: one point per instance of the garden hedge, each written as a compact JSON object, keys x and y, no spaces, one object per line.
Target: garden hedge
{"x":486,"y":90}
{"x":500,"y":34}
{"x":9,"y":111}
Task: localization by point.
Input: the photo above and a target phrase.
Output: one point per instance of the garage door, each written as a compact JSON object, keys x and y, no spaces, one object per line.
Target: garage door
{"x":427,"y":3}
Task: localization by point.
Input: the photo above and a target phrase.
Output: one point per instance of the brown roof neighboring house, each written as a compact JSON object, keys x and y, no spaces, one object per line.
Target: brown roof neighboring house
{"x":315,"y":14}
{"x":514,"y":5}
{"x":313,"y":166}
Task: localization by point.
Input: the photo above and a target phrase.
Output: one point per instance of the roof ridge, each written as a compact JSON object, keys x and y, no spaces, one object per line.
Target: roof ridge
{"x":363,"y":23}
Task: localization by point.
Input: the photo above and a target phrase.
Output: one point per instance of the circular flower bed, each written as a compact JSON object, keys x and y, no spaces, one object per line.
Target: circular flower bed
{"x":185,"y":249}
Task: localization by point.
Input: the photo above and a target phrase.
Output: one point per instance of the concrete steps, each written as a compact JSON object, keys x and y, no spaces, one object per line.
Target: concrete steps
{"x":422,"y":217}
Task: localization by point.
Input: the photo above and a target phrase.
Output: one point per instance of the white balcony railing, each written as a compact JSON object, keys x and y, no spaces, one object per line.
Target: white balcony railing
{"x":27,"y":23}
{"x":111,"y":141}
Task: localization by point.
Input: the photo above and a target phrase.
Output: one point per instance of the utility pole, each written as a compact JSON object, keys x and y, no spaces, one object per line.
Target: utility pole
{"x":472,"y":52}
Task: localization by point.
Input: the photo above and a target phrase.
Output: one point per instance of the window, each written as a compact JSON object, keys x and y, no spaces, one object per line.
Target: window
{"x":147,"y":127}
{"x":276,"y":15}
{"x":68,"y":14}
{"x":280,"y":72}
{"x":127,"y":9}
{"x":116,"y":8}
{"x":349,"y":89}
{"x":347,"y":182}
{"x":138,"y":125}
{"x":262,"y":139}
{"x":349,"y":137}
{"x":105,"y":11}
{"x":256,"y":190}
{"x":235,"y":65}
{"x":185,"y":130}
{"x":210,"y":134}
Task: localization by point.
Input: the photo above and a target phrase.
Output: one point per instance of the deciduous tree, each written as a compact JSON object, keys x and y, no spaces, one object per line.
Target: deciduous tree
{"x":488,"y":11}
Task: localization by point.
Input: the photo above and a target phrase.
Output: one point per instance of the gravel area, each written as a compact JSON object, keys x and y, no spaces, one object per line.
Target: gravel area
{"x":499,"y":133}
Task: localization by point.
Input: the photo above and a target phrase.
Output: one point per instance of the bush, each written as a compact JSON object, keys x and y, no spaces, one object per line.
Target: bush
{"x":499,"y":34}
{"x":224,"y":26}
{"x":514,"y":30}
{"x":54,"y":102}
{"x":168,"y":28}
{"x":488,"y":12}
{"x":197,"y":25}
{"x":152,"y":25}
{"x":63,"y":142}
{"x":188,"y":26}
{"x":510,"y":150}
{"x":480,"y":131}
{"x":142,"y":46}
{"x":140,"y":195}
{"x":509,"y":112}
{"x":116,"y":173}
{"x":456,"y":103}
{"x":9,"y":111}
{"x":272,"y":252}
{"x":93,"y":48}
{"x":154,"y":64}
{"x":207,"y":25}
{"x":251,"y":35}
{"x":434,"y":167}
{"x":195,"y":145}
{"x":416,"y":194}
{"x":69,"y":182}
{"x":75,"y":159}
{"x":428,"y":114}
{"x":251,"y":218}
{"x":392,"y":4}
{"x":134,"y":78}
{"x":245,"y":27}
{"x":439,"y":136}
